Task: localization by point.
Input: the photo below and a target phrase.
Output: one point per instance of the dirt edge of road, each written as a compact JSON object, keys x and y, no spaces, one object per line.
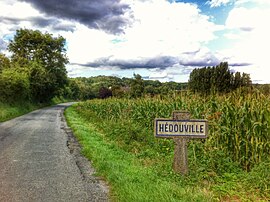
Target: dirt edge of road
{"x":98,"y":188}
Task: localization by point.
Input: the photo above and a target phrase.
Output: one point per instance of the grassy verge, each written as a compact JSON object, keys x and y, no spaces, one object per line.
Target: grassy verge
{"x":130,"y":179}
{"x":138,"y":166}
{"x":11,"y":110}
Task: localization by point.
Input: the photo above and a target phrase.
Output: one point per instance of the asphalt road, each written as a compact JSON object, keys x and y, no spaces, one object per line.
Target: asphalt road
{"x":40,"y":161}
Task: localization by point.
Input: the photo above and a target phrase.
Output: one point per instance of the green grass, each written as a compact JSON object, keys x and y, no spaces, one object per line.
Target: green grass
{"x":117,"y":135}
{"x":129,"y":178}
{"x":9,"y":111}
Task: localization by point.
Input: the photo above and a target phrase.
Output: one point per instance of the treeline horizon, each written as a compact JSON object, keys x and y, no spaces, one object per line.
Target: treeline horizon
{"x":84,"y":88}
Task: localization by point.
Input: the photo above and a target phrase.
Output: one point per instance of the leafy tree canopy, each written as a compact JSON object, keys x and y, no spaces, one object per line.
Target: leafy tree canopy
{"x":4,"y":62}
{"x":45,"y":57}
{"x":137,"y":86}
{"x":14,"y":84}
{"x":217,"y":79}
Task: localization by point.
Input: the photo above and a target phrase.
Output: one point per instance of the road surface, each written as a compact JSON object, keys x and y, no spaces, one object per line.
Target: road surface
{"x":40,"y":161}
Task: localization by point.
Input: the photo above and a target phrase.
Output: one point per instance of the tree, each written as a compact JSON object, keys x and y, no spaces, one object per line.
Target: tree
{"x":222,"y":77}
{"x":137,"y":86}
{"x":14,"y":85}
{"x":105,"y":93}
{"x":246,"y":80}
{"x":40,"y":83}
{"x":45,"y":56}
{"x":216,"y":79}
{"x":4,"y":62}
{"x":75,"y":89}
{"x":237,"y":81}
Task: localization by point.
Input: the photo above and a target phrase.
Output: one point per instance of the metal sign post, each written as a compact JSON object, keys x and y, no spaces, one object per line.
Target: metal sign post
{"x":181,"y":128}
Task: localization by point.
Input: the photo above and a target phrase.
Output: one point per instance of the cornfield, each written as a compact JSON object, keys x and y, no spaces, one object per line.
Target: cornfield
{"x":239,"y":123}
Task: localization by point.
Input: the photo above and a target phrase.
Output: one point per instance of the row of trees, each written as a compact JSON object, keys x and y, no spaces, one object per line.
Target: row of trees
{"x":36,"y":70}
{"x":217,"y":79}
{"x":106,"y":86}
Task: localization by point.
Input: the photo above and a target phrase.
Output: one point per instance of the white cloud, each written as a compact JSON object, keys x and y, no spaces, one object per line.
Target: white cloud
{"x":17,"y":9}
{"x":86,"y":44}
{"x":247,"y":19}
{"x":201,"y":57}
{"x":250,"y":27}
{"x":217,"y":3}
{"x":167,"y":28}
{"x":258,"y":2}
{"x":160,"y":28}
{"x":13,"y":10}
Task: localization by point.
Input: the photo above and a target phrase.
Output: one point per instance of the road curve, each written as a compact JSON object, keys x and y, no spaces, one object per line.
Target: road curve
{"x":37,"y":165}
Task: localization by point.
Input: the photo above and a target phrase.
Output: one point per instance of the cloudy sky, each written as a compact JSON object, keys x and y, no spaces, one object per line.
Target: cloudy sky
{"x":158,"y":39}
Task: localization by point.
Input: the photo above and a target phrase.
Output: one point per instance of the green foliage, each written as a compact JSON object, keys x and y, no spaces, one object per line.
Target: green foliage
{"x":81,"y":90}
{"x":88,"y":88}
{"x":208,"y":80}
{"x":4,"y":62}
{"x":15,"y":109}
{"x":32,"y":45}
{"x":238,"y":137}
{"x":105,"y":93}
{"x":45,"y":58}
{"x":40,"y":83}
{"x":264,"y":88}
{"x":119,"y":91}
{"x":259,"y":177}
{"x":36,"y":72}
{"x":137,"y":86}
{"x":10,"y":110}
{"x":14,"y":85}
{"x":244,"y":127}
{"x":129,"y":177}
{"x":239,"y":124}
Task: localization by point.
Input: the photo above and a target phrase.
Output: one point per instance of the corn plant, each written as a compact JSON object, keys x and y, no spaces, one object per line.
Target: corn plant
{"x":239,"y":123}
